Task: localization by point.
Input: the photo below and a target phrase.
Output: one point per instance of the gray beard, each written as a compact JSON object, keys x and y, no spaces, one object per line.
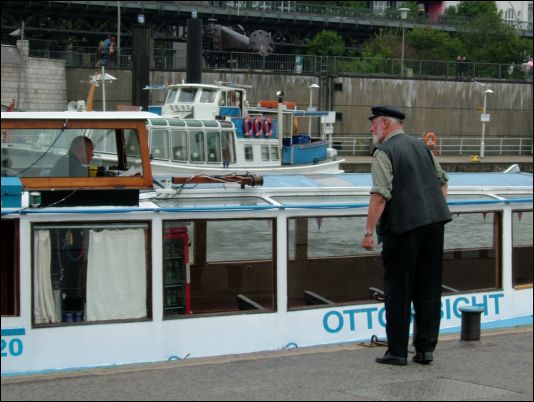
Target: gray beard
{"x":375,"y":141}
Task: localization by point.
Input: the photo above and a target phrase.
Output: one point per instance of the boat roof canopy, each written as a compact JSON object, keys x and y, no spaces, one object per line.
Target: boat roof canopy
{"x":80,"y":115}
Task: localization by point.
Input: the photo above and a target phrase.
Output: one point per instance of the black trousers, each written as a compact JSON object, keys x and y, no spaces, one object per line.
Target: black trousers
{"x":413,"y":266}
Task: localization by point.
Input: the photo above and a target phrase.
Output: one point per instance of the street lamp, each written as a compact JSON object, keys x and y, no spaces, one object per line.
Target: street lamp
{"x":484,"y":118}
{"x":403,"y":14}
{"x":310,"y":109}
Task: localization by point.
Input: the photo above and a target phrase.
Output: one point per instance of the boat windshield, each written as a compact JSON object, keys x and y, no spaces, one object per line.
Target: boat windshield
{"x":171,"y":96}
{"x":71,"y":152}
{"x":187,"y":95}
{"x":208,"y":96}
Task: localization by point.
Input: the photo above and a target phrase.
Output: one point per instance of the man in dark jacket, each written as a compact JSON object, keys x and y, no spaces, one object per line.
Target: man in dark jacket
{"x":408,"y":207}
{"x":74,"y":163}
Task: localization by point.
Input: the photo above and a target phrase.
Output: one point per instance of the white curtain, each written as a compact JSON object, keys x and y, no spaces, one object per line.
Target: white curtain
{"x":45,"y":308}
{"x":116,"y":275}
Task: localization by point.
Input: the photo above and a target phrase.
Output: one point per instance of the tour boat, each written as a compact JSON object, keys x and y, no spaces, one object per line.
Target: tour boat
{"x":111,"y":269}
{"x":218,"y":132}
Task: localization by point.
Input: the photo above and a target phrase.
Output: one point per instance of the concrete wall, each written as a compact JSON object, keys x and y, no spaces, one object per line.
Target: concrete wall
{"x":448,"y":108}
{"x":35,"y":83}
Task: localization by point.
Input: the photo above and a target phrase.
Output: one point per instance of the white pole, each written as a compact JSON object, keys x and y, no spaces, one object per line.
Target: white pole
{"x":402,"y":51}
{"x":403,"y":14}
{"x":103,"y":78}
{"x":309,"y":110}
{"x":483,"y":127}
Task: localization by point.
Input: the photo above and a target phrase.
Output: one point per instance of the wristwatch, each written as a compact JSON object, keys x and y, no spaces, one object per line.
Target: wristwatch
{"x":368,"y":234}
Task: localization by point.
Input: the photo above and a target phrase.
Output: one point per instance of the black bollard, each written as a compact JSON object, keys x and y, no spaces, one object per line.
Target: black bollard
{"x":471,"y":322}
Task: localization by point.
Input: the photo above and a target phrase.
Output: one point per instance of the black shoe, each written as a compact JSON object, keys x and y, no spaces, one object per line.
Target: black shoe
{"x":423,"y":357}
{"x":388,"y":358}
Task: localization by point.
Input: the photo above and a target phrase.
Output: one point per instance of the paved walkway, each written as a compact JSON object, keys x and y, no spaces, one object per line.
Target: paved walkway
{"x":498,"y":367}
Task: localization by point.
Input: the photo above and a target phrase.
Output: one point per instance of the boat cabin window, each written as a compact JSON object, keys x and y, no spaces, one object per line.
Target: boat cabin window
{"x":265,"y":154}
{"x":325,"y":267}
{"x":208,"y":95}
{"x":228,"y":150}
{"x":522,"y":248}
{"x":179,"y":145}
{"x":197,"y":151}
{"x":207,"y":270}
{"x":249,"y":153}
{"x":159,"y":144}
{"x":69,"y":152}
{"x":9,"y":280}
{"x":90,"y":272}
{"x":472,"y":255}
{"x":213,"y":141}
{"x":275,"y":153}
{"x":187,"y":95}
{"x":232,"y":98}
{"x":171,"y":96}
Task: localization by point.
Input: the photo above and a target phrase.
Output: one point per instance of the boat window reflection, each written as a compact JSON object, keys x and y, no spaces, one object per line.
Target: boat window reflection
{"x":159,"y":144}
{"x":207,"y":270}
{"x":38,"y":152}
{"x":171,"y":96}
{"x":249,"y":153}
{"x":327,"y":267}
{"x":208,"y":95}
{"x":179,"y":145}
{"x":327,"y":264}
{"x":265,"y":153}
{"x":90,"y":273}
{"x":275,"y":153}
{"x":228,"y":147}
{"x":522,"y":248}
{"x":213,"y":140}
{"x":196,"y":141}
{"x":187,"y":94}
{"x":472,"y":255}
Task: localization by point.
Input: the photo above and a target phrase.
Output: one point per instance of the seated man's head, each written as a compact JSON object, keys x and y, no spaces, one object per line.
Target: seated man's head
{"x":83,"y":148}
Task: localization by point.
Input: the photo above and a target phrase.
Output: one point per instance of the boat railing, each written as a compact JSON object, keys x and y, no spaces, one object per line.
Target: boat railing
{"x":496,"y":146}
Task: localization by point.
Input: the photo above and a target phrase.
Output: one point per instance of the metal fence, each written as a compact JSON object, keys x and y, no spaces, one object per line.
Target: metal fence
{"x":363,"y":145}
{"x":168,"y":59}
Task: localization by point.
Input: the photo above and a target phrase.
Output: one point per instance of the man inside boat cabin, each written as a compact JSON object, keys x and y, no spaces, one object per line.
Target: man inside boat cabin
{"x":408,"y":208}
{"x":74,"y":163}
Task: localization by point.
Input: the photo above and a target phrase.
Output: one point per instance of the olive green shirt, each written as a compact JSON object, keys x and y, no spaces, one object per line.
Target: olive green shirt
{"x":382,"y":171}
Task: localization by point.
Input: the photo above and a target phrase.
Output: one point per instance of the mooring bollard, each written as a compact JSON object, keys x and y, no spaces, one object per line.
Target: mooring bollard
{"x":471,"y":322}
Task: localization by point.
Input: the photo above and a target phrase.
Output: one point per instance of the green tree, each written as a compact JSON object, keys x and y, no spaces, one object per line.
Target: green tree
{"x":327,"y":43}
{"x":473,"y":9}
{"x":431,"y":44}
{"x":487,"y":38}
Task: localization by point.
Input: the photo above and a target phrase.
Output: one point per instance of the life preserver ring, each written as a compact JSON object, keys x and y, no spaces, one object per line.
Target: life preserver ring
{"x":430,"y":139}
{"x":247,"y":126}
{"x":272,"y":104}
{"x":258,"y":127}
{"x":268,"y":127}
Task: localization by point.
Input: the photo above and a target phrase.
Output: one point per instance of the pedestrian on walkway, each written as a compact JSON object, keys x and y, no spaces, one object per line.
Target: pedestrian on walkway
{"x":106,"y":51}
{"x":408,"y":208}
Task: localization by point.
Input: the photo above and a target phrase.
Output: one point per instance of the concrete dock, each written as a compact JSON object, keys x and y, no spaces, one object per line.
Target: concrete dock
{"x":457,"y":163}
{"x":497,"y":367}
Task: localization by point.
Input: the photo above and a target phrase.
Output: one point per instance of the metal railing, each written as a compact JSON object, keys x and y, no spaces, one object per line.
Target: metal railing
{"x":446,"y":146}
{"x":168,"y":59}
